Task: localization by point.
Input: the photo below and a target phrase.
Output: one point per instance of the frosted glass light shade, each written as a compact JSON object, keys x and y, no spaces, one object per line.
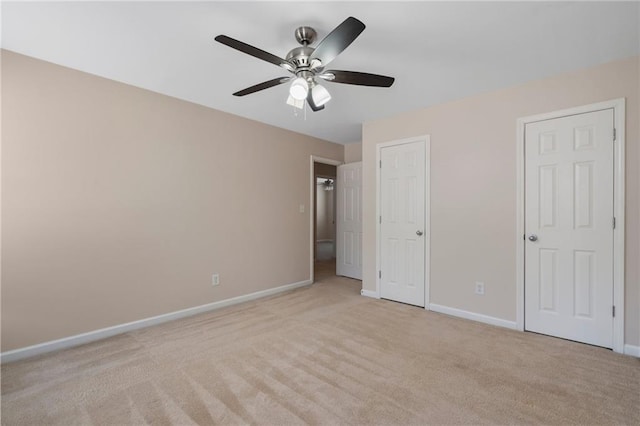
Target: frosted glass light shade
{"x":299,"y":89}
{"x":320,"y":95}
{"x":298,"y":103}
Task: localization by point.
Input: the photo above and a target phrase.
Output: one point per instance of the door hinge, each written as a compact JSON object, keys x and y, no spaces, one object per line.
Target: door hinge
{"x":614,"y":134}
{"x":614,"y":223}
{"x":613,"y":311}
{"x":524,"y":237}
{"x":379,"y":274}
{"x":380,"y":219}
{"x":380,"y":164}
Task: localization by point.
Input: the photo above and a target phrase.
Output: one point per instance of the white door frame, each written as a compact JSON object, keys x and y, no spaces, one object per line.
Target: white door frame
{"x":426,"y":139}
{"x":618,"y":106}
{"x":312,"y":205}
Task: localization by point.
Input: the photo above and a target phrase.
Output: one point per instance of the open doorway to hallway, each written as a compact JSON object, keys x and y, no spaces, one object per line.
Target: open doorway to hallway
{"x":324,"y":221}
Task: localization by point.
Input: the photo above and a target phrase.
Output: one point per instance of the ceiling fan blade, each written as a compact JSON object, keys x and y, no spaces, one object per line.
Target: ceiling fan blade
{"x":357,"y":78}
{"x":262,"y":86}
{"x":312,"y":104}
{"x":337,"y":40}
{"x":254,"y":51}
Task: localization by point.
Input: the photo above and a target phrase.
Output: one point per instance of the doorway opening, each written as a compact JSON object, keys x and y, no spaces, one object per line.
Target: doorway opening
{"x":322,"y":203}
{"x":325,"y":221}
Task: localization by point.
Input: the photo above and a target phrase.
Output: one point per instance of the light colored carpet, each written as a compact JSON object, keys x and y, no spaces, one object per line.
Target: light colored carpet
{"x":324,"y":355}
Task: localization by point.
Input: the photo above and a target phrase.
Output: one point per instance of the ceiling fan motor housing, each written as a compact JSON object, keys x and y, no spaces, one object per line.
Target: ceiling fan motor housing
{"x":300,"y":57}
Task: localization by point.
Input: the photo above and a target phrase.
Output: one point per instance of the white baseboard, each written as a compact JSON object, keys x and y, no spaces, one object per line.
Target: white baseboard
{"x":632,"y":350}
{"x":472,"y":316}
{"x":628,"y":349}
{"x":369,"y":293}
{"x":103,"y":333}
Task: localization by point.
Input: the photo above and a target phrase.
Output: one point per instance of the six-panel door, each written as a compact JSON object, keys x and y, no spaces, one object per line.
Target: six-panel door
{"x":402,"y":201}
{"x":349,"y":220}
{"x":569,"y":227}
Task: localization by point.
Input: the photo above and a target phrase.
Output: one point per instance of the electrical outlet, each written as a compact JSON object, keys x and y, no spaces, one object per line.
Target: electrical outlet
{"x":301,"y":208}
{"x":215,"y":279}
{"x":479,"y":288}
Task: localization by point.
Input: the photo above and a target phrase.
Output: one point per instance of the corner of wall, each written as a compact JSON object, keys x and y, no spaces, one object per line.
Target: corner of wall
{"x":353,"y":152}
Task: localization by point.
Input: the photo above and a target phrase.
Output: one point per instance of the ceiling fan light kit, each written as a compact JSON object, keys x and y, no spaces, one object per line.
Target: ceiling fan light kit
{"x":306,"y":63}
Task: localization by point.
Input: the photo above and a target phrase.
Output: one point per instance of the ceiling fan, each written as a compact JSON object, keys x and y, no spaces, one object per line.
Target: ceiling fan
{"x":307,"y":64}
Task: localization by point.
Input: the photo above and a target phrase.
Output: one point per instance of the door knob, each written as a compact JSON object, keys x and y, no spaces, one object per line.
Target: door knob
{"x":533,"y":237}
{"x":419,"y":233}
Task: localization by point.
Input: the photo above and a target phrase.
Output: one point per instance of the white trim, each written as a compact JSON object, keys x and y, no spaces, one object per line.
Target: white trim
{"x":632,"y":350}
{"x":619,"y":173}
{"x":618,"y":106}
{"x":426,"y":139}
{"x":311,"y":206}
{"x":103,"y":333}
{"x":369,"y":293}
{"x":427,"y":221}
{"x":520,"y":225}
{"x":473,"y":316}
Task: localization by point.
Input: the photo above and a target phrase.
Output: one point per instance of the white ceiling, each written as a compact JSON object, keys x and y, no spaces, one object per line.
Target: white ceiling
{"x":437,"y":51}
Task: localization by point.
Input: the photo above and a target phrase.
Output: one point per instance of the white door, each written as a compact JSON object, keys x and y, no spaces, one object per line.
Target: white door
{"x":402,"y":223}
{"x":349,"y":220}
{"x":569,"y":227}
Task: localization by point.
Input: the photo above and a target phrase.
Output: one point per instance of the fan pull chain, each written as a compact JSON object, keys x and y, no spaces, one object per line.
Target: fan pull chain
{"x":295,"y":111}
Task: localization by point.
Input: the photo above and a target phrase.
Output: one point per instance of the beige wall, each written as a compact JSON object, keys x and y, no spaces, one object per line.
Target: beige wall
{"x":473,"y":185}
{"x":118,"y":203}
{"x":353,"y":153}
